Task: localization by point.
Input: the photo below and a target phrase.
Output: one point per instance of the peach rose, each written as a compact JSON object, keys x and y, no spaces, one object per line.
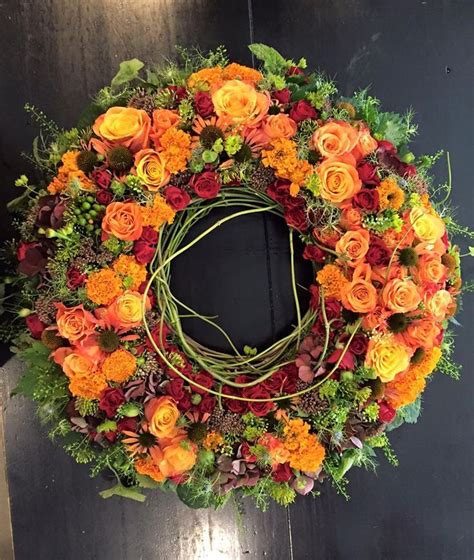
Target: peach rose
{"x":353,"y":246}
{"x":430,"y":269}
{"x":124,"y":126}
{"x":162,"y":120}
{"x":74,"y":323}
{"x":351,"y":218}
{"x":278,"y":126}
{"x":162,"y":415}
{"x":123,"y":220}
{"x":240,"y":103}
{"x":365,"y":144}
{"x":151,"y":169}
{"x":440,"y":304}
{"x":360,"y":295}
{"x":178,"y":458}
{"x":401,"y":296}
{"x":339,"y":179}
{"x":421,"y":333}
{"x":335,"y":139}
{"x":427,"y":226}
{"x":387,"y":356}
{"x":77,"y":365}
{"x":126,"y":312}
{"x":376,"y":319}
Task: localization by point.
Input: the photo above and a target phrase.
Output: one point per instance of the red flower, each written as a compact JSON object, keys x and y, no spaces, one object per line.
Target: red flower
{"x":205,"y":379}
{"x":302,"y":110}
{"x":367,"y":200}
{"x":207,"y":404}
{"x":149,"y":235}
{"x":102,"y":178}
{"x":175,"y":388}
{"x":314,"y":300}
{"x":279,"y":191}
{"x":74,"y":278}
{"x":258,"y":392}
{"x":177,"y":198}
{"x":185,"y":403}
{"x":110,"y":401}
{"x":127,"y":425}
{"x":104,"y":197}
{"x":282,"y":95}
{"x":143,"y":251}
{"x":359,"y":344}
{"x":282,"y":381}
{"x":294,"y":71}
{"x":234,"y":405}
{"x":35,"y":325}
{"x":282,"y":473}
{"x":378,"y":254}
{"x":368,"y":173}
{"x":23,"y":248}
{"x":205,"y":185}
{"x":347,"y":362}
{"x":203,"y":104}
{"x":386,"y":412}
{"x":246,"y":454}
{"x":179,"y":93}
{"x":314,"y":253}
{"x":296,"y":218}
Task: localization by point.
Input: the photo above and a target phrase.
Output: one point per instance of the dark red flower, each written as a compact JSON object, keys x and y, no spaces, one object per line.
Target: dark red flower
{"x":302,"y":110}
{"x":175,"y":388}
{"x":143,"y":251}
{"x":347,"y":362}
{"x":279,"y":191}
{"x":246,"y":454}
{"x":104,"y":197}
{"x":102,"y":177}
{"x":75,"y":278}
{"x":410,"y":170}
{"x":314,"y":300}
{"x":205,"y":185}
{"x":282,"y":95}
{"x":50,"y":212}
{"x":185,"y":403}
{"x":282,"y":473}
{"x":203,"y":378}
{"x":207,"y":404}
{"x":177,"y":198}
{"x":359,"y":344}
{"x":234,"y":405}
{"x":314,"y":253}
{"x":110,"y":401}
{"x":367,"y":200}
{"x":35,"y":325}
{"x":23,"y":248}
{"x":203,"y":104}
{"x":333,"y":308}
{"x":294,"y":71}
{"x":258,"y":392}
{"x":159,"y":335}
{"x":368,"y":173}
{"x":296,"y":218}
{"x":386,"y":412}
{"x":179,"y":93}
{"x":150,"y":235}
{"x":378,"y":254}
{"x":282,"y":381}
{"x":127,"y":425}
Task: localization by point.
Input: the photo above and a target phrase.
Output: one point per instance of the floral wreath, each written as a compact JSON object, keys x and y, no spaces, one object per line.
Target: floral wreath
{"x":113,"y":372}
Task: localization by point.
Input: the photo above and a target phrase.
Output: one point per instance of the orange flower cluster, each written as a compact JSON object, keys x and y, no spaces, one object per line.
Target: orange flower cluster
{"x":133,"y":274}
{"x":146,"y":466}
{"x":208,"y":77}
{"x":157,"y":214}
{"x":176,"y":150}
{"x":103,"y":286}
{"x":283,"y":158}
{"x":119,"y":366}
{"x":68,"y":173}
{"x":332,"y":280}
{"x":212,"y":441}
{"x":305,"y":451}
{"x":391,"y":195}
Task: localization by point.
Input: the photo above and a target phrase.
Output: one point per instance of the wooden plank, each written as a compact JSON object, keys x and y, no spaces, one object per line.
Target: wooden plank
{"x":420,"y":54}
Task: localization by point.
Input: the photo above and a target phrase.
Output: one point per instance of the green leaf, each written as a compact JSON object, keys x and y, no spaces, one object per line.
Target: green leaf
{"x":471,"y":251}
{"x":191,"y":499}
{"x":147,"y":482}
{"x":411,"y":412}
{"x":128,"y":71}
{"x":89,"y":115}
{"x":273,"y":61}
{"x":249,"y":351}
{"x":152,"y":78}
{"x":132,"y":493}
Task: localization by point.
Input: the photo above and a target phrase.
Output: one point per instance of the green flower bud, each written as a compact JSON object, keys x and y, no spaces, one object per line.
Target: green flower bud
{"x":130,"y":410}
{"x":24,"y":312}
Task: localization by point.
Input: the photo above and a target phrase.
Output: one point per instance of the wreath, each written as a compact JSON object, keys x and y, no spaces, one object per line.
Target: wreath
{"x":121,"y":384}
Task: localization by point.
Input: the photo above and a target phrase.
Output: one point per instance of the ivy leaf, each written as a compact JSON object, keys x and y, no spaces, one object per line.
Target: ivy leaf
{"x":132,"y":493}
{"x":128,"y":71}
{"x":273,"y":61}
{"x":411,"y":412}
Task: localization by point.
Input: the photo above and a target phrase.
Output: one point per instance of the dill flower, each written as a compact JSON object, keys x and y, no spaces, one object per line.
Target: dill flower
{"x":103,"y":286}
{"x":133,"y":273}
{"x":157,"y":214}
{"x":391,"y":195}
{"x":176,"y":149}
{"x":119,"y":366}
{"x":332,"y":280}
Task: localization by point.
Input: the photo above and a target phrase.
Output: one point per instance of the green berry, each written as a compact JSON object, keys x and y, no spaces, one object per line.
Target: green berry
{"x":77,"y":211}
{"x":86,"y":205}
{"x":93,"y":213}
{"x":82,"y":221}
{"x":90,"y":227}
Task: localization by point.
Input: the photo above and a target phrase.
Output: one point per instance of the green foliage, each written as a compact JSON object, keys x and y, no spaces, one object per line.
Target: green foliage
{"x":409,"y":414}
{"x":446,"y":364}
{"x":128,"y":71}
{"x":132,"y":493}
{"x":390,"y":219}
{"x":254,"y":426}
{"x":273,"y":61}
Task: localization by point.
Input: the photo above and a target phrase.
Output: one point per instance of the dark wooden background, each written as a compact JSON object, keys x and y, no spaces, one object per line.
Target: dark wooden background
{"x":55,"y":54}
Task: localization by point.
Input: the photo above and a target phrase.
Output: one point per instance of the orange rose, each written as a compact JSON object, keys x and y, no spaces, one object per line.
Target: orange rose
{"x":353,"y":246}
{"x":74,"y":323}
{"x":124,"y":126}
{"x":123,"y":220}
{"x":427,"y":226}
{"x":401,"y":296}
{"x":339,"y":179}
{"x":377,"y":318}
{"x":387,"y":356}
{"x":351,"y":218}
{"x":76,"y":364}
{"x":430,"y":269}
{"x":151,"y":169}
{"x":365,"y":144}
{"x":178,"y":458}
{"x":421,"y":333}
{"x":126,"y":312}
{"x":162,"y":120}
{"x":440,"y":304}
{"x":162,"y":415}
{"x":335,"y":138}
{"x":279,"y":126}
{"x":240,"y":103}
{"x":360,"y":295}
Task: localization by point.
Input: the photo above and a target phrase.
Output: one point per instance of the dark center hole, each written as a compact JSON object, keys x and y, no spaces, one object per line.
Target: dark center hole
{"x":241,"y":273}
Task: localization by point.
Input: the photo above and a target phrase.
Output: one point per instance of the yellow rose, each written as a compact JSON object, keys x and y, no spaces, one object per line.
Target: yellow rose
{"x":124,"y":126}
{"x":126,"y":311}
{"x":240,"y":103}
{"x":162,"y":415}
{"x":440,"y":304}
{"x":388,"y":357}
{"x":151,"y":169}
{"x":427,"y":227}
